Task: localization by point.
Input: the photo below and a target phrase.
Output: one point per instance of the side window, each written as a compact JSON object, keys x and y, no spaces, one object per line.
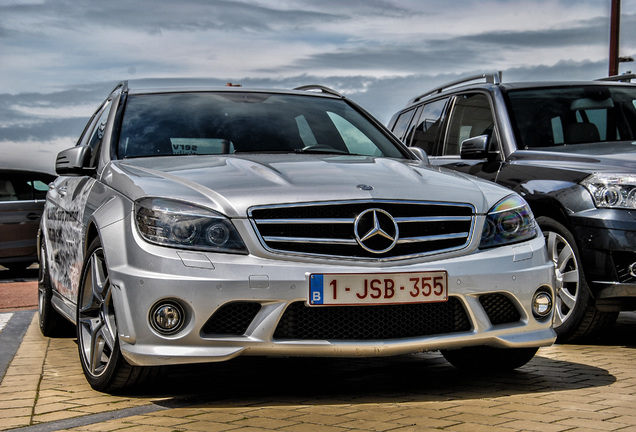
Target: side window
{"x":471,"y":116}
{"x":427,"y":124}
{"x":402,"y":125}
{"x":98,"y":132}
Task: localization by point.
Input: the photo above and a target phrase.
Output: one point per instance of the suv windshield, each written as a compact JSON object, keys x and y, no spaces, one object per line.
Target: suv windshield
{"x":201,"y":123}
{"x":592,"y":119}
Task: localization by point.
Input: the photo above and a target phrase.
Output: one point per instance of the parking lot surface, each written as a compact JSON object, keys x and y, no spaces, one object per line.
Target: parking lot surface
{"x":564,"y":388}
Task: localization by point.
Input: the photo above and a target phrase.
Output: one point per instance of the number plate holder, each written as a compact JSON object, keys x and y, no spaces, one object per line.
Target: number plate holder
{"x":346,"y":289}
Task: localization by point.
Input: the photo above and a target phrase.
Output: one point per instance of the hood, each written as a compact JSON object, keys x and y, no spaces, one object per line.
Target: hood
{"x":585,"y":159}
{"x":232,"y":184}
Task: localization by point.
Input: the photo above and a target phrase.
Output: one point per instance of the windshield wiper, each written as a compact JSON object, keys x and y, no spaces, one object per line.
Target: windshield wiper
{"x":317,"y":148}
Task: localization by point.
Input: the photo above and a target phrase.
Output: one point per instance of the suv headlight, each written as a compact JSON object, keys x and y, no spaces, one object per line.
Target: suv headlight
{"x":612,"y":190}
{"x":177,"y":224}
{"x":509,"y":221}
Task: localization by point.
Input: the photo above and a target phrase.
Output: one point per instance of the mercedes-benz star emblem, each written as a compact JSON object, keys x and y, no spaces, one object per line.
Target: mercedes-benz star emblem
{"x":376,"y":231}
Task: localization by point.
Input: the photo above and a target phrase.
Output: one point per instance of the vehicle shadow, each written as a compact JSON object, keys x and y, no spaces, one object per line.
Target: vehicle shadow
{"x":421,"y":377}
{"x":19,"y":275}
{"x":622,"y":333}
{"x":425,"y":376}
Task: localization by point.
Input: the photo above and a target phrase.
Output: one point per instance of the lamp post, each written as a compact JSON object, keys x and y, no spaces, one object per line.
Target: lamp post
{"x":615,"y":29}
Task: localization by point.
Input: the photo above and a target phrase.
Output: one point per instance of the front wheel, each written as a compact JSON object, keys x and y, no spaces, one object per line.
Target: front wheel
{"x":104,"y":366}
{"x":489,"y":359}
{"x":576,"y":317}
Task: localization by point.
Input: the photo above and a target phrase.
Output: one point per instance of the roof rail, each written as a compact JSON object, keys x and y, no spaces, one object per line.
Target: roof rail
{"x":319,"y":87}
{"x":492,"y":78}
{"x":626,"y":77}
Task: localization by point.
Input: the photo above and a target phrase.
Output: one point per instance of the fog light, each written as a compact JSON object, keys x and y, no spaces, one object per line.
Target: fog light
{"x":542,"y":304}
{"x":632,"y":269}
{"x":167,"y":317}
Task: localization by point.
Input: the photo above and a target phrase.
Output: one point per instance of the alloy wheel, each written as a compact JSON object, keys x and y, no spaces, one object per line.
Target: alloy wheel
{"x":97,"y":329}
{"x":567,"y":276}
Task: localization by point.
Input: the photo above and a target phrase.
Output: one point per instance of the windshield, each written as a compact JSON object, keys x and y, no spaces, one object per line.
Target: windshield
{"x":593,"y":119}
{"x":239,"y":122}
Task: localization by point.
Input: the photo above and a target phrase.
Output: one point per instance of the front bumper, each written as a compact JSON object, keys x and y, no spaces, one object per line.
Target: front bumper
{"x":205,"y":285}
{"x":607,"y":241}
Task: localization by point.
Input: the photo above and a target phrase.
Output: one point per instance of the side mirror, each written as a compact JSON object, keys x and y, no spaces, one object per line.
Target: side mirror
{"x":74,"y":161}
{"x":419,"y":153}
{"x":475,"y":147}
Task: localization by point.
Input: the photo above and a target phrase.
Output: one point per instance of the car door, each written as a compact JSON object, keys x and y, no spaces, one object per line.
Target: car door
{"x":66,"y":212}
{"x":468,"y":116}
{"x":21,"y":205}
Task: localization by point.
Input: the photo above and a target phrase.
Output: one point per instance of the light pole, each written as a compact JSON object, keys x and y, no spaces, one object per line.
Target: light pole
{"x":615,"y":30}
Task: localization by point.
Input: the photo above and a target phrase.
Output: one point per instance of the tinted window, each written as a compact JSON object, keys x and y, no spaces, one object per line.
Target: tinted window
{"x":577,"y":117}
{"x":224,"y":122}
{"x":402,"y":125}
{"x":471,"y":116}
{"x":427,"y":123}
{"x":23,"y":187}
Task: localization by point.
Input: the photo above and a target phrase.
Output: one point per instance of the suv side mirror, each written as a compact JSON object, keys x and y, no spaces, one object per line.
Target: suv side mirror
{"x":475,"y":147}
{"x":419,"y":153}
{"x":74,"y":161}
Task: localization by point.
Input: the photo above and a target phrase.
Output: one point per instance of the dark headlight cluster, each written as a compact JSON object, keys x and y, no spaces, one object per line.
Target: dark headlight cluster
{"x":178,"y":224}
{"x":509,"y":221}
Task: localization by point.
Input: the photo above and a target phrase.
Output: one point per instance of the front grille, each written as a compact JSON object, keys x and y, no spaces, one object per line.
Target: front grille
{"x":231,"y":319}
{"x":302,"y":322}
{"x":499,"y":308}
{"x":341,"y":229}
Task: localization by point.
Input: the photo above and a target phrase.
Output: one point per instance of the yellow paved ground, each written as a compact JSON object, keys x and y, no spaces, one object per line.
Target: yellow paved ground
{"x":565,"y":388}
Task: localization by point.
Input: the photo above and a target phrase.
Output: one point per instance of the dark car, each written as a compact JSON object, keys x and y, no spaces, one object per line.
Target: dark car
{"x":569,"y":148}
{"x":22,"y":198}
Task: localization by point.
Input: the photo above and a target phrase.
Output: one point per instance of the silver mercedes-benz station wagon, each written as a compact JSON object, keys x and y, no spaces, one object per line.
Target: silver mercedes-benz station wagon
{"x":200,"y":224}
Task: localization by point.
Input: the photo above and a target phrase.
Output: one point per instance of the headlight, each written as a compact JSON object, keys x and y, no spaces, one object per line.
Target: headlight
{"x":612,"y":190}
{"x":509,"y":221}
{"x":177,"y":224}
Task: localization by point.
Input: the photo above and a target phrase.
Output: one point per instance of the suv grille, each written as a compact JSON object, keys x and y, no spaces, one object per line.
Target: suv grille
{"x":371,"y":322}
{"x":350,"y":229}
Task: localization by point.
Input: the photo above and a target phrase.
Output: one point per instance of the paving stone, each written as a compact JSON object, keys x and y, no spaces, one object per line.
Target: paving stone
{"x":566,"y":388}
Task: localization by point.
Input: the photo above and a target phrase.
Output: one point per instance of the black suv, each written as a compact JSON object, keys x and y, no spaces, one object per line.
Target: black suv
{"x":570,"y":149}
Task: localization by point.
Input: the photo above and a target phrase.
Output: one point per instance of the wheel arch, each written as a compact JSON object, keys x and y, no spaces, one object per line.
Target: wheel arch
{"x":549,"y":207}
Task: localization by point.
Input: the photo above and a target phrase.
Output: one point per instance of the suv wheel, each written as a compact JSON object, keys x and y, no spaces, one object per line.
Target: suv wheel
{"x":576,"y":316}
{"x":97,"y":338}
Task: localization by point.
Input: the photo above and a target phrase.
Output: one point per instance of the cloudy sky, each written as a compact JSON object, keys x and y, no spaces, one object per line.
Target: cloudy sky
{"x":59,"y":58}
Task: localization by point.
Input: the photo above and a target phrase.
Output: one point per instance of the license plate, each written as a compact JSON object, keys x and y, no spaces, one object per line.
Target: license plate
{"x":377,"y":289}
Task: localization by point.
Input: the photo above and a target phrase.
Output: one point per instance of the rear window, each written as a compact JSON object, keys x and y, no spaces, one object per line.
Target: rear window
{"x":172,"y":124}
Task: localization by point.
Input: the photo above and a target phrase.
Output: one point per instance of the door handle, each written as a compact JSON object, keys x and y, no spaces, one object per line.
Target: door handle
{"x":33,"y":216}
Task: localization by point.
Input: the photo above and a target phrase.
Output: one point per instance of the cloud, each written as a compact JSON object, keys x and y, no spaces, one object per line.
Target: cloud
{"x":60,"y":58}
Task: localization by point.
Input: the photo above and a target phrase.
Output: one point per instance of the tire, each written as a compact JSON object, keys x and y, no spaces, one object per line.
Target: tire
{"x":104,"y":366}
{"x":52,"y":324}
{"x":489,"y":359}
{"x":576,"y":317}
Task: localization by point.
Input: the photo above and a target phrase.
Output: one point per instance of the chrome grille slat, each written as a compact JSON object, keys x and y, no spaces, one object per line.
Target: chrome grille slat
{"x":305,"y":221}
{"x":327,"y":229}
{"x":433,"y":238}
{"x":309,"y":240}
{"x":434,"y":219}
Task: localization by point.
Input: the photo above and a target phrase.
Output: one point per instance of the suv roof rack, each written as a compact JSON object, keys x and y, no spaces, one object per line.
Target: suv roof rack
{"x":319,"y":87}
{"x":492,"y":78}
{"x":626,"y":77}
